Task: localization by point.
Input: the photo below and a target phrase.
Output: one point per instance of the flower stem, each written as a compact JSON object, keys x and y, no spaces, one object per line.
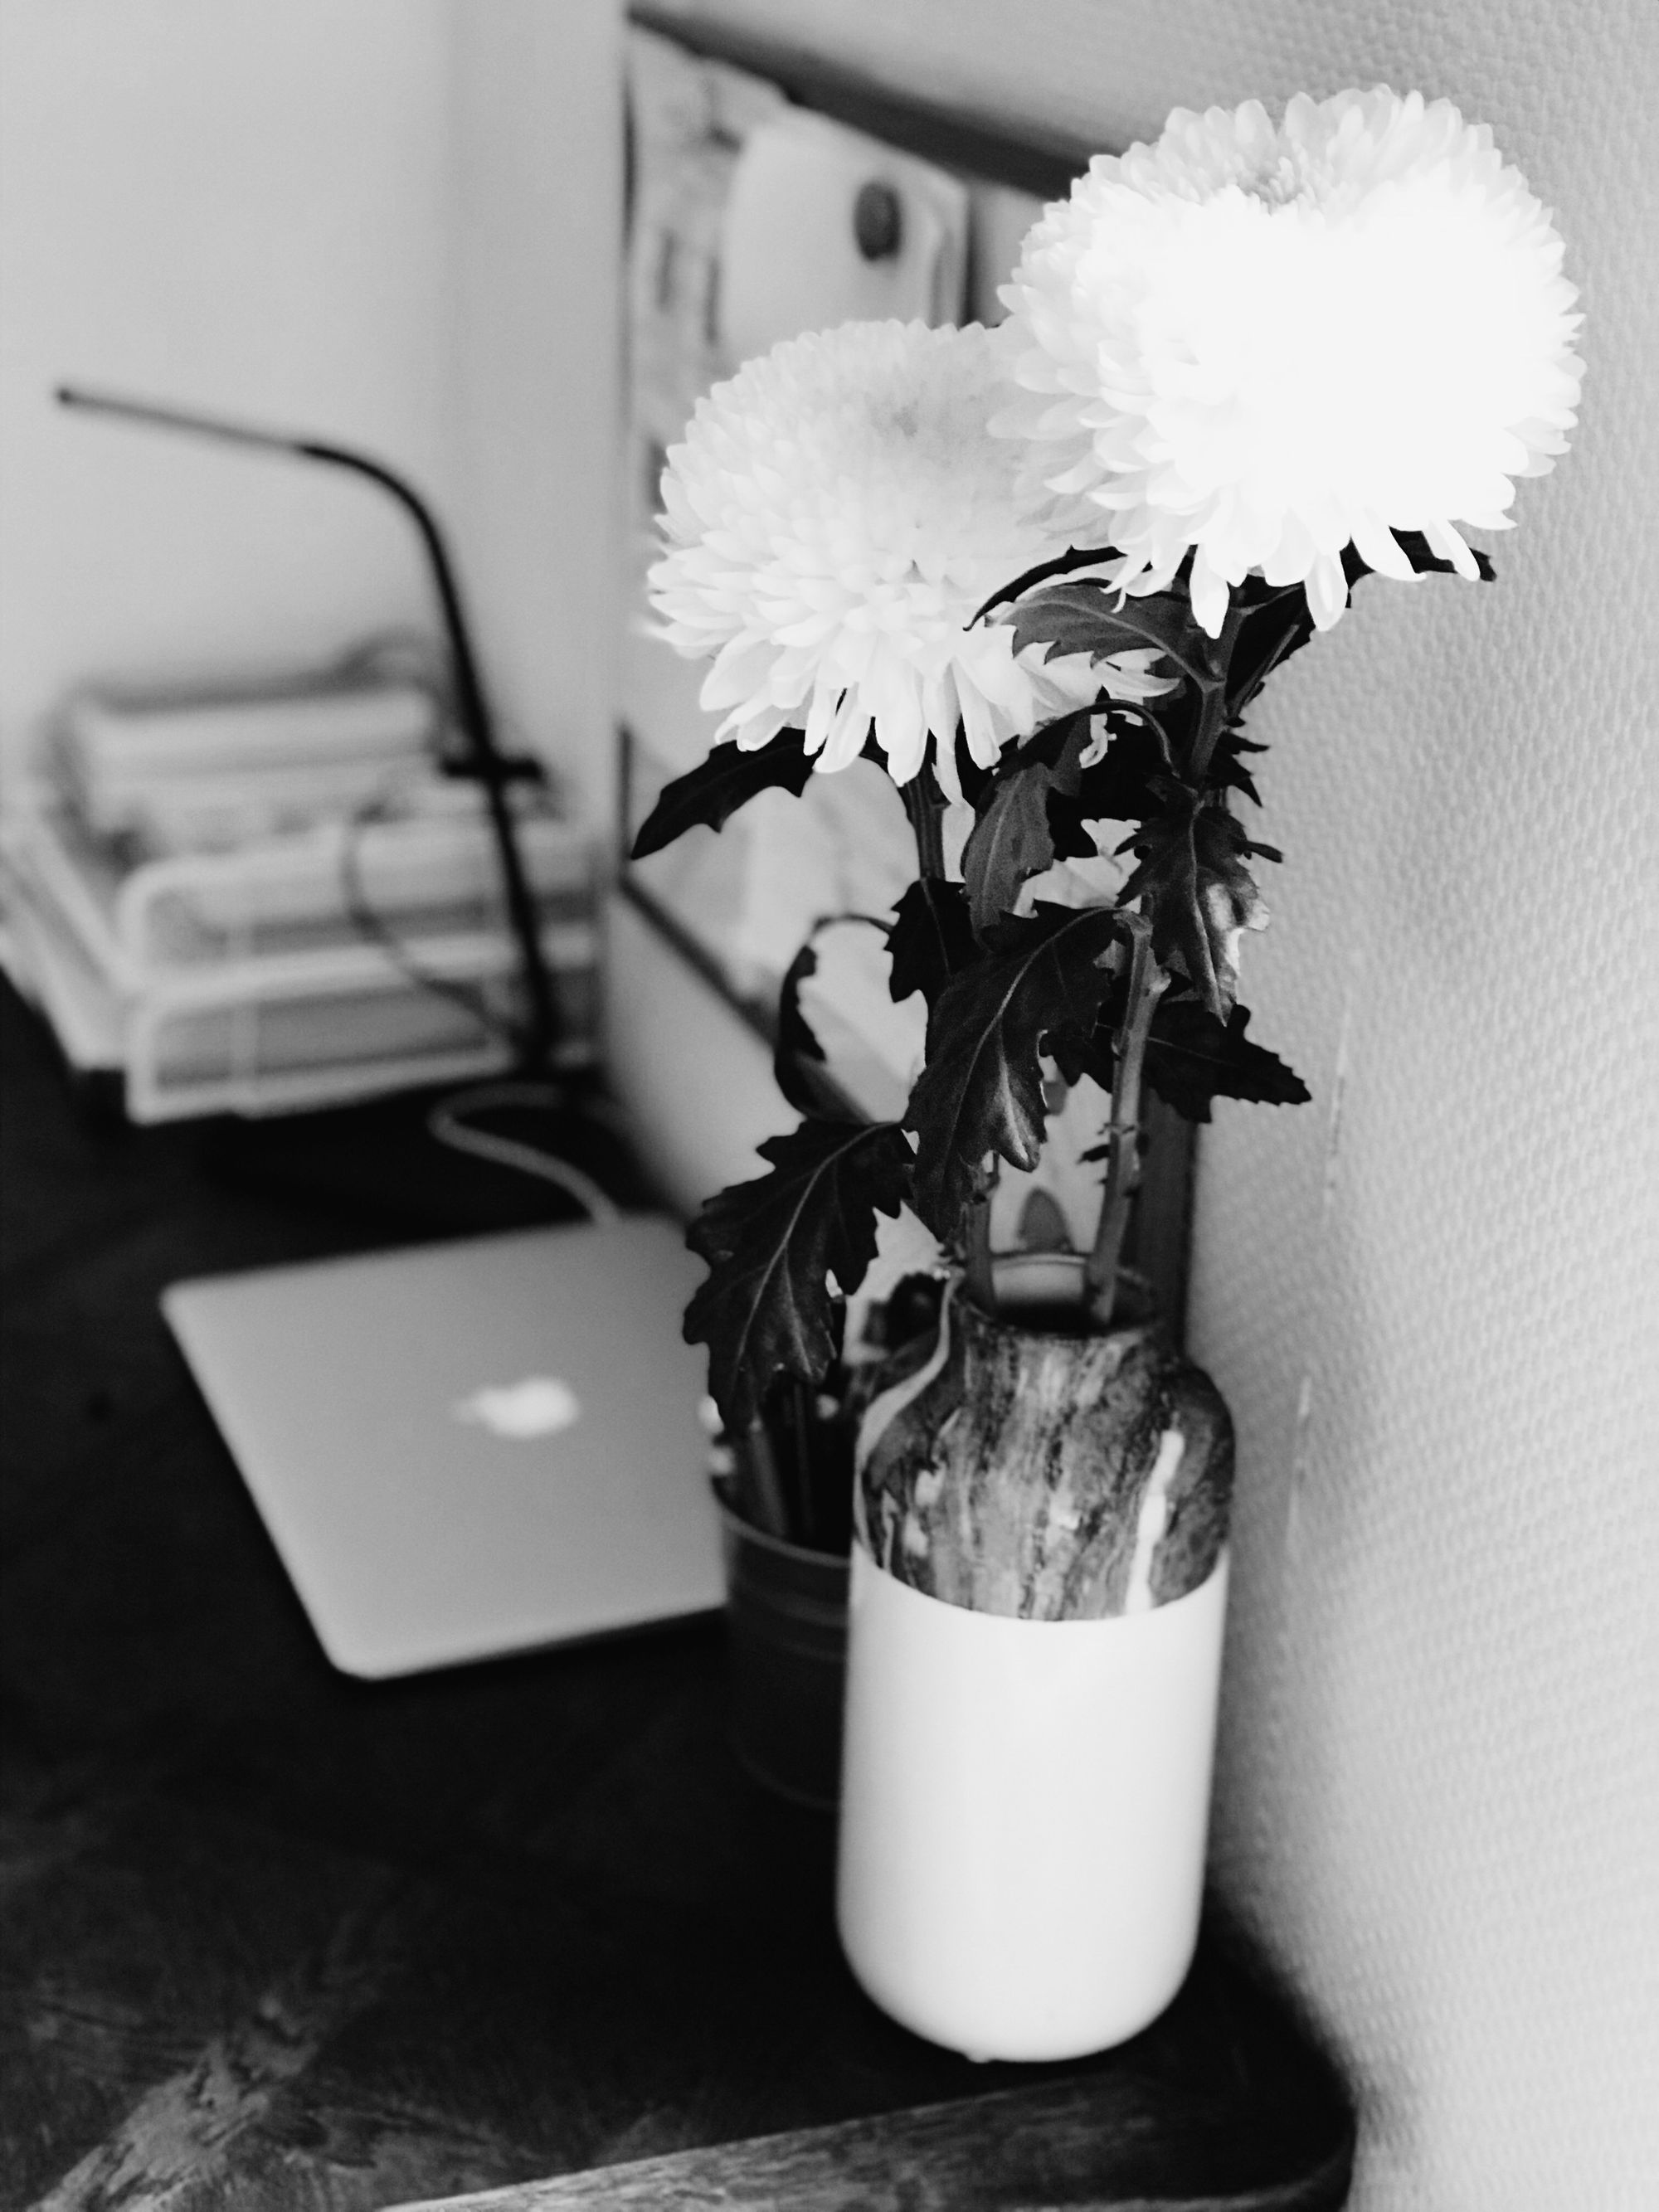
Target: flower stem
{"x":1147,"y":983}
{"x":925,"y":804}
{"x":981,"y":1277}
{"x":1212,"y":692}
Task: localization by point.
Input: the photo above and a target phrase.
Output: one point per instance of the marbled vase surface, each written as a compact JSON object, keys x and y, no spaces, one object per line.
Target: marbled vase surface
{"x":1044,"y":1473}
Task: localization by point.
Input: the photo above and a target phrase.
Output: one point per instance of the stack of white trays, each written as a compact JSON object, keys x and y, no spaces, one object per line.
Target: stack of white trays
{"x":301,"y":966}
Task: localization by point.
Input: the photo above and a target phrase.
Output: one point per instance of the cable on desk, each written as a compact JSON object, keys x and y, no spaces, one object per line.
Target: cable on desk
{"x":445,"y":1122}
{"x":376,"y":931}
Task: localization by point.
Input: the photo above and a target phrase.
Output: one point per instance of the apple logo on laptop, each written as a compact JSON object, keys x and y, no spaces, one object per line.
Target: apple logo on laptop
{"x":540,"y":1405}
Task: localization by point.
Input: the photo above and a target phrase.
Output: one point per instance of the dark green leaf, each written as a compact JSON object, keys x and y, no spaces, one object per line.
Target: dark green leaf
{"x":1123,"y":785}
{"x":1196,"y":890}
{"x":1415,"y":547}
{"x":1066,"y":834}
{"x":1227,"y":771}
{"x":980,"y":1092}
{"x":1192,"y":1058}
{"x":930,"y":939}
{"x":798,"y":1058}
{"x":1086,"y":619}
{"x":1059,"y":745}
{"x":711,"y":793}
{"x":1279,"y":625}
{"x":1010,"y":841}
{"x":1075,"y":557}
{"x":1129,"y":783}
{"x":767,"y":1309}
{"x":1077,"y":1052}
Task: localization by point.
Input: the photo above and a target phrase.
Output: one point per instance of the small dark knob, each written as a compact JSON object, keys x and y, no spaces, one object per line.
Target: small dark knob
{"x":878,"y":221}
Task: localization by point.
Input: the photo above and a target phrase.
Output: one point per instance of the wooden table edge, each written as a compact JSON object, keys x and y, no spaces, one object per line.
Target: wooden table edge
{"x":943,"y":2155}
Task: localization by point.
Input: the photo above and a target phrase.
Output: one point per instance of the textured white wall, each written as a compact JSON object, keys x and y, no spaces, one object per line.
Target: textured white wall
{"x":1429,"y":1295}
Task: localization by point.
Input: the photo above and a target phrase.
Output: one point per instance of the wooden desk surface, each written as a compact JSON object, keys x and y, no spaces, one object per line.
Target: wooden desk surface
{"x":270,"y":1938}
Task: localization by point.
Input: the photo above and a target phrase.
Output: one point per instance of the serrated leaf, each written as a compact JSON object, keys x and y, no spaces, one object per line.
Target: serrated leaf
{"x":980,"y":1092}
{"x":1085,"y":618}
{"x":1009,"y":843}
{"x":1227,"y":771}
{"x":1122,"y":785}
{"x":1191,"y":1058}
{"x":1077,"y":1052}
{"x":710,"y":793}
{"x":1196,"y":891}
{"x":1278,"y":626}
{"x":1117,"y":787}
{"x":1066,"y":834}
{"x":772,"y":1244}
{"x":1061,"y":564}
{"x":798,"y":1066}
{"x":1059,"y":745}
{"x":930,"y":941}
{"x":1415,"y":547}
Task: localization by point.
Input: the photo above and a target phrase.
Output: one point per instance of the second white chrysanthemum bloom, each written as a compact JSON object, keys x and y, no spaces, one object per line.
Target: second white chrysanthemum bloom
{"x":837,"y":516}
{"x":1265,"y":344}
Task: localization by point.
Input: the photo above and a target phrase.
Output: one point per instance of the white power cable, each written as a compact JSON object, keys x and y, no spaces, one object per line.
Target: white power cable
{"x":444,"y":1123}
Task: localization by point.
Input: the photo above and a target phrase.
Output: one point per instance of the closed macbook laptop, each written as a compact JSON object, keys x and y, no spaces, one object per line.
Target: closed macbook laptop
{"x":471,"y":1447}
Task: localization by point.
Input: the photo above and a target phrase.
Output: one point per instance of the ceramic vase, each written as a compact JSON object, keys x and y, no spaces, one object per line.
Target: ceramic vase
{"x":1036,"y":1603}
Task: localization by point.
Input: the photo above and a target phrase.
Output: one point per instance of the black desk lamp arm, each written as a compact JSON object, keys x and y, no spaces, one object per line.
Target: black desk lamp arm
{"x":486,"y":764}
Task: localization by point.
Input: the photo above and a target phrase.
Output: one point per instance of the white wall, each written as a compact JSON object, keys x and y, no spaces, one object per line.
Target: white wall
{"x":1434,"y":1315}
{"x":535,"y":343}
{"x":239,"y":206}
{"x":393,"y":223}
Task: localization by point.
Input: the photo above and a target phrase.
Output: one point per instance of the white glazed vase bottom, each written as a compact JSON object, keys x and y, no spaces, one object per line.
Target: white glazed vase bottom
{"x":1023,"y":1812}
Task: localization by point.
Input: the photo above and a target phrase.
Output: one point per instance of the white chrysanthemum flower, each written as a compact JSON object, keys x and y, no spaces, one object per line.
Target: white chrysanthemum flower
{"x":837,"y":513}
{"x":1265,"y":343}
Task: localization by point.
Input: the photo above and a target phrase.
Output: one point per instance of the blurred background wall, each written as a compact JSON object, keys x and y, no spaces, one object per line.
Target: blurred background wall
{"x":394,"y":224}
{"x":1429,"y":1295}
